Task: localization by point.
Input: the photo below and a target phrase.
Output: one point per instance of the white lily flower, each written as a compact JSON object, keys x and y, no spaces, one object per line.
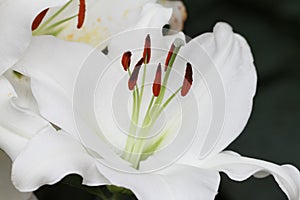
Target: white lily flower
{"x":7,"y":189}
{"x":100,"y":19}
{"x":15,"y":32}
{"x":184,"y":159}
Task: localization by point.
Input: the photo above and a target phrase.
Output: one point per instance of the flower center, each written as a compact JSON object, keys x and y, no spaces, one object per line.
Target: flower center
{"x":51,"y":26}
{"x":135,"y":149}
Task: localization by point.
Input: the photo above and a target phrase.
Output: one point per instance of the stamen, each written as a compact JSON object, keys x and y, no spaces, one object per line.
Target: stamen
{"x":81,"y":14}
{"x":147,"y":49}
{"x":38,"y":20}
{"x":126,"y":59}
{"x":188,"y":80}
{"x":135,"y":74}
{"x":157,"y":82}
{"x":169,"y":56}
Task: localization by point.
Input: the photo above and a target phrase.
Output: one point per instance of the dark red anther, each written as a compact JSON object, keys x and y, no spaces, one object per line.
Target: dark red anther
{"x":147,"y":50}
{"x":126,"y":59}
{"x":38,"y":19}
{"x":81,"y":13}
{"x":169,"y":56}
{"x":135,"y":74}
{"x":188,"y":80}
{"x":157,"y":81}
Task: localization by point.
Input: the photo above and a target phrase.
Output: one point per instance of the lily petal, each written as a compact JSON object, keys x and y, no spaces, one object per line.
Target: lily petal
{"x":21,"y":84}
{"x":49,"y":157}
{"x":104,"y":19}
{"x":17,"y":124}
{"x":240,"y":168}
{"x":173,"y":183}
{"x":7,"y":189}
{"x":153,"y":18}
{"x":179,"y":14}
{"x":15,"y":32}
{"x":233,"y":64}
{"x":54,"y":78}
{"x":53,"y":81}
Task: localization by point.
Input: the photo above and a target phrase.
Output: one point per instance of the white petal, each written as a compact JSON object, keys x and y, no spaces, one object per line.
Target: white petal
{"x":231,"y":78}
{"x":15,"y":23}
{"x":240,"y":168}
{"x":179,"y":14}
{"x":53,"y":78}
{"x":152,"y":19}
{"x":154,"y":16}
{"x":49,"y":157}
{"x":7,"y":189}
{"x":104,"y":19}
{"x":174,"y":183}
{"x":21,"y":84}
{"x":17,"y":124}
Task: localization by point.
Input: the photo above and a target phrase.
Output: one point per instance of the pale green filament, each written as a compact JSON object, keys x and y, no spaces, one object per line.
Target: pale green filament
{"x":137,"y":100}
{"x":134,"y":121}
{"x":135,"y":145}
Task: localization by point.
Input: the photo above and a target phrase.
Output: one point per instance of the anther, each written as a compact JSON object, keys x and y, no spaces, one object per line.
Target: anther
{"x":81,"y":13}
{"x":126,"y":59}
{"x":147,"y":50}
{"x":169,"y":56}
{"x":135,"y":74}
{"x":188,"y":80}
{"x":38,"y":20}
{"x":157,"y":81}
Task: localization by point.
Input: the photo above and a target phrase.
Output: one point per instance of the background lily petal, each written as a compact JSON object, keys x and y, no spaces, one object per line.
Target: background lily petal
{"x":104,"y":19}
{"x":179,"y":14}
{"x":152,"y":16}
{"x":16,"y":17}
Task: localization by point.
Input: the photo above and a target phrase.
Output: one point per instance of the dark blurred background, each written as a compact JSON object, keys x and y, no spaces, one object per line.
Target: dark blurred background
{"x":272,"y":29}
